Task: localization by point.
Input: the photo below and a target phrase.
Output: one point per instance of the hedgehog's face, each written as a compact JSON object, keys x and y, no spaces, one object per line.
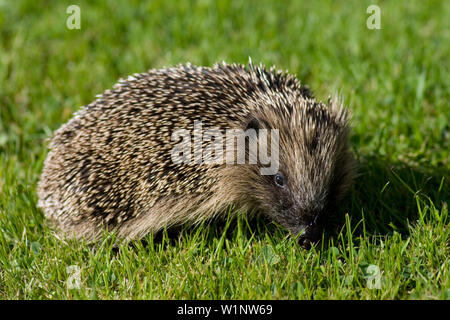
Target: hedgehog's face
{"x":302,"y":212}
{"x":305,"y":197}
{"x":315,"y":171}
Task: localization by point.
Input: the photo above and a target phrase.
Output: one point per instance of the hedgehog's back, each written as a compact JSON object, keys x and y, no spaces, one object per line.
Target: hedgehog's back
{"x":111,"y":161}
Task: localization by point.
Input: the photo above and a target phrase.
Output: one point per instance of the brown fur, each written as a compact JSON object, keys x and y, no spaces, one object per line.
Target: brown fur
{"x":110,"y":166}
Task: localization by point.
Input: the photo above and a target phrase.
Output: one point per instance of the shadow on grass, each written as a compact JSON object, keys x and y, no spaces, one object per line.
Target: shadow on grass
{"x":386,"y":194}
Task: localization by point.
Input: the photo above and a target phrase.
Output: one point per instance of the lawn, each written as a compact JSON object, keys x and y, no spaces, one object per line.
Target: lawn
{"x":394,"y":239}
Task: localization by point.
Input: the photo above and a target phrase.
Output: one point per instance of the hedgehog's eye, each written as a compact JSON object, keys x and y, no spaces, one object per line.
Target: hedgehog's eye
{"x":279,"y":179}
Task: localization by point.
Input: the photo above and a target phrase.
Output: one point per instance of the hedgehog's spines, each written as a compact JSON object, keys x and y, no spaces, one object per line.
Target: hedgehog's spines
{"x":110,"y":166}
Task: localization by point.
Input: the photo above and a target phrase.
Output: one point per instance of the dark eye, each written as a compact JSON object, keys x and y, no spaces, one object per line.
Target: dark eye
{"x":279,"y":179}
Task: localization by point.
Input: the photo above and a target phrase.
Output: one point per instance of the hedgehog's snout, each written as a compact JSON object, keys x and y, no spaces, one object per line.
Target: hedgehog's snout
{"x":309,"y":232}
{"x":306,"y":220}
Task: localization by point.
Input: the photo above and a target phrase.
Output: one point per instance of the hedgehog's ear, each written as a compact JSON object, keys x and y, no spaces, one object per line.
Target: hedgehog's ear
{"x":253,"y":123}
{"x":251,"y":129}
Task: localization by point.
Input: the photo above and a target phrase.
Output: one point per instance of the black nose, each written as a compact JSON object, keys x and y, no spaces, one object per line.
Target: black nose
{"x":304,"y":242}
{"x":311,"y":235}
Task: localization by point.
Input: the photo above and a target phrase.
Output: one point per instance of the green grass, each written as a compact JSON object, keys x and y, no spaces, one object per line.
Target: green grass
{"x":394,"y":80}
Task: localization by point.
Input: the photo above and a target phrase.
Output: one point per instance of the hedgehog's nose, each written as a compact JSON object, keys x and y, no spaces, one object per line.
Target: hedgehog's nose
{"x":308,"y":239}
{"x":310,"y":234}
{"x":304,"y":242}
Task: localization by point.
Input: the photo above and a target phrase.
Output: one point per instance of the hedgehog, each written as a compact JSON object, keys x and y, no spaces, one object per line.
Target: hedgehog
{"x":111,"y":166}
